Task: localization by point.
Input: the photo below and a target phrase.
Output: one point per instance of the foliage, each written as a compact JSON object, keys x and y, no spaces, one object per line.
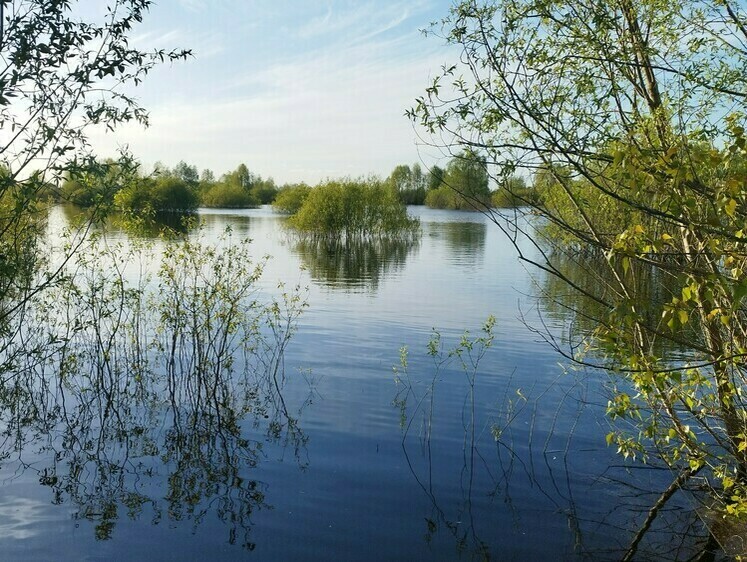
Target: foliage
{"x":162,"y":194}
{"x":188,"y":174}
{"x":418,"y":404}
{"x":238,"y":189}
{"x":97,"y":183}
{"x":408,"y":183}
{"x":464,"y":184}
{"x":231,"y":196}
{"x":264,"y":191}
{"x":62,"y":75}
{"x":633,"y":114}
{"x":164,"y":369}
{"x":351,"y":210}
{"x":514,"y":192}
{"x":290,"y":198}
{"x":435,"y":177}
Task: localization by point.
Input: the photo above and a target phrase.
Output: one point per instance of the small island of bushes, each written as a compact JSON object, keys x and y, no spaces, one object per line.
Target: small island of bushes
{"x":346,"y":210}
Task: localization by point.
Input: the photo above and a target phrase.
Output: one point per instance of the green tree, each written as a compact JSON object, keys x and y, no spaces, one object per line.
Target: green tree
{"x":290,"y":198}
{"x":97,"y":183}
{"x":408,"y":183}
{"x":635,"y":112}
{"x":61,"y":75}
{"x":264,"y":191}
{"x":241,"y":176}
{"x":186,"y":173}
{"x":161,"y":194}
{"x":514,"y":192}
{"x":207,"y":176}
{"x":227,"y":195}
{"x":401,"y":178}
{"x":464,"y":184}
{"x":419,"y":179}
{"x":435,"y":177}
{"x":351,"y":210}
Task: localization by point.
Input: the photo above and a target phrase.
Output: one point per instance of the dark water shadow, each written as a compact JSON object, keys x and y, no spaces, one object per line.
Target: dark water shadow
{"x":353,"y":264}
{"x":464,"y":241}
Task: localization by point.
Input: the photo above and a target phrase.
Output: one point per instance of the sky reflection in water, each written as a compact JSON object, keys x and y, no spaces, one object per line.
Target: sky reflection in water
{"x":337,"y":471}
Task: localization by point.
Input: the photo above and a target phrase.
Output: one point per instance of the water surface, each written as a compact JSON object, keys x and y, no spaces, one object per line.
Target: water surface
{"x":507,"y":462}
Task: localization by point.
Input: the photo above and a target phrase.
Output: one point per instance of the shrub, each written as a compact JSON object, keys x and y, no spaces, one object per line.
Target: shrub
{"x":353,"y":209}
{"x":291,"y":198}
{"x":163,"y":194}
{"x":228,"y":195}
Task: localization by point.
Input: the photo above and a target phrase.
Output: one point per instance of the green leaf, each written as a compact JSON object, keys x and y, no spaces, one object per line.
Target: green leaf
{"x":730,"y":207}
{"x":683,"y":316}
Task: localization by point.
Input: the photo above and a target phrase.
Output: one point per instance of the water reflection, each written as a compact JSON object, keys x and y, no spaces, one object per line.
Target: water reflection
{"x":526,"y":455}
{"x":464,"y":241}
{"x":141,"y":226}
{"x":354,"y":263}
{"x":152,"y":398}
{"x":240,"y":224}
{"x":578,"y":295}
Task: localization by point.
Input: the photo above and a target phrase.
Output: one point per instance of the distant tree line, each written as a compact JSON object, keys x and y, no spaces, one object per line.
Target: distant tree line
{"x":178,"y":189}
{"x":463,"y":185}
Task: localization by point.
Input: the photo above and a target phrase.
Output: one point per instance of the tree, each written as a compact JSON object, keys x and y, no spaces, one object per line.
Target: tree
{"x":514,"y":192}
{"x":241,"y":177}
{"x":161,"y":194}
{"x":207,"y":176}
{"x":635,"y":113}
{"x":419,"y":180}
{"x":290,"y":198}
{"x":97,"y":184}
{"x":435,"y":177}
{"x":263,"y":190}
{"x":61,"y":75}
{"x":401,"y":178}
{"x":464,"y":184}
{"x":186,"y":173}
{"x":408,"y":184}
{"x":227,"y":195}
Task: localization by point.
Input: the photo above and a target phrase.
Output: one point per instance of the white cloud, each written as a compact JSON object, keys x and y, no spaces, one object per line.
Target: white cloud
{"x":328,"y":111}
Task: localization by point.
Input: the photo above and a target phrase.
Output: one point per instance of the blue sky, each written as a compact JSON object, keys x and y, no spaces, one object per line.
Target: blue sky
{"x":298,"y":90}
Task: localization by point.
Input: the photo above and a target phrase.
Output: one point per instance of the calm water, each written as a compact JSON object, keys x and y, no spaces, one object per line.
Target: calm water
{"x":357,"y":481}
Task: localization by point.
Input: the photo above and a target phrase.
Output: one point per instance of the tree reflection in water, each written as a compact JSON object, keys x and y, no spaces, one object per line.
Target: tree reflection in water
{"x":124,"y":381}
{"x":354,"y":263}
{"x":465,"y":241}
{"x":532,"y":456}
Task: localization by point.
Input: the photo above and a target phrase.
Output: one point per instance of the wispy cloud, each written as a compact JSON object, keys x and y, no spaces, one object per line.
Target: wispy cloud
{"x":358,"y":22}
{"x":330,"y":104}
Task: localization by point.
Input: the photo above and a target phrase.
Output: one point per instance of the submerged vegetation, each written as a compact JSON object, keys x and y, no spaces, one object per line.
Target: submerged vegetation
{"x":633,"y":138}
{"x":348,"y":210}
{"x":631,"y":118}
{"x":168,"y":370}
{"x":290,"y":198}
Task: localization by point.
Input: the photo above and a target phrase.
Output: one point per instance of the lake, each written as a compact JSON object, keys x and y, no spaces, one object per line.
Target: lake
{"x":501,"y":458}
